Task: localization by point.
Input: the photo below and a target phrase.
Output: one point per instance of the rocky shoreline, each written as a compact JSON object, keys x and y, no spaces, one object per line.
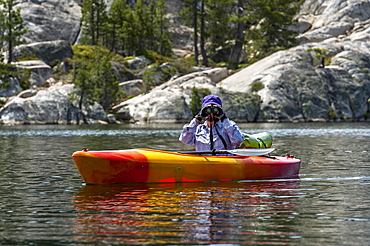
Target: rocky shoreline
{"x":294,"y":86}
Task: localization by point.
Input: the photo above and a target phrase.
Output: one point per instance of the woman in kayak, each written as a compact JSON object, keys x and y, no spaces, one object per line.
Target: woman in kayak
{"x":216,"y":133}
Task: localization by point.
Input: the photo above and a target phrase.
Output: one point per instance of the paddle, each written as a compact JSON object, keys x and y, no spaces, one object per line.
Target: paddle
{"x":241,"y":152}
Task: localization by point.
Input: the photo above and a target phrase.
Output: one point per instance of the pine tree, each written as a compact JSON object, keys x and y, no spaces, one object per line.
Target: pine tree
{"x":94,"y":20}
{"x":219,"y":32}
{"x":269,"y":26}
{"x":118,"y":18}
{"x":203,"y":33}
{"x":239,"y":20}
{"x":2,"y":31}
{"x":228,"y":25}
{"x":106,"y":79}
{"x":142,"y":14}
{"x":212,"y":18}
{"x":94,"y":80}
{"x":84,"y":93}
{"x":189,"y":13}
{"x":139,"y":28}
{"x":130,"y":33}
{"x":162,"y":44}
{"x":13,"y":29}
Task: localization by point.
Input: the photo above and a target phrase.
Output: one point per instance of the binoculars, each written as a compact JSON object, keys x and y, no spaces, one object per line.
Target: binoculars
{"x":217,"y":111}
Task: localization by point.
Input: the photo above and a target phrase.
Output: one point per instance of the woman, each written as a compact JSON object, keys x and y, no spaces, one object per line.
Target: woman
{"x":216,"y":133}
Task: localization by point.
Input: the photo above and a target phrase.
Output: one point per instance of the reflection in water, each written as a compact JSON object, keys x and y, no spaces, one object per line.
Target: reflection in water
{"x":189,"y":213}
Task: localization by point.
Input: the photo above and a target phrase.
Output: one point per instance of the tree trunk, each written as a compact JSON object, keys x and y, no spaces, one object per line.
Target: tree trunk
{"x":195,"y":24}
{"x":237,"y":50}
{"x":202,"y":43}
{"x":98,"y":25}
{"x":113,"y":41}
{"x":80,"y":104}
{"x":10,"y":34}
{"x":10,"y":51}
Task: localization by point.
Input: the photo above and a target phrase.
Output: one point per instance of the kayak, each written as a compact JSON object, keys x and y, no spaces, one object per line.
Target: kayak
{"x":158,"y":166}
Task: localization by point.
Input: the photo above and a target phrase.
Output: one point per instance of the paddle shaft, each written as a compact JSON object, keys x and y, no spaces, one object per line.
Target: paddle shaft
{"x":240,"y":152}
{"x":214,"y":152}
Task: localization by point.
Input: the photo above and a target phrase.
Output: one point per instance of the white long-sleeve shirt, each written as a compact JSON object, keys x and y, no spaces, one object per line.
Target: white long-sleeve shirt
{"x":199,"y":135}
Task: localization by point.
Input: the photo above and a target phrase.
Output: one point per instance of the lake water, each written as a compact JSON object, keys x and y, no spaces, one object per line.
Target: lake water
{"x":43,"y":200}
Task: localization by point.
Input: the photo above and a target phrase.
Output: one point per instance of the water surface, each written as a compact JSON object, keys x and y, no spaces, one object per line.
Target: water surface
{"x":43,"y":200}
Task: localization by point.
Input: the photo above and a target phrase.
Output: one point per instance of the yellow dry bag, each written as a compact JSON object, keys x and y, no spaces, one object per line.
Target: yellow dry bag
{"x":259,"y":140}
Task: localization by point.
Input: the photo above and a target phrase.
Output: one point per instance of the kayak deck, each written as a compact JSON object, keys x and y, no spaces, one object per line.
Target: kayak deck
{"x":157,"y":166}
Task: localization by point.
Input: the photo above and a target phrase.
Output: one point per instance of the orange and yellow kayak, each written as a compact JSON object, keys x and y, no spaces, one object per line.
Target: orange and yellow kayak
{"x":157,"y":166}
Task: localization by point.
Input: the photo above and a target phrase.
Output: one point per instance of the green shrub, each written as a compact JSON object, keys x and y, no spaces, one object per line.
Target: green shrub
{"x":183,"y":66}
{"x":331,"y":113}
{"x":320,"y":56}
{"x":27,"y":56}
{"x":154,"y":57}
{"x":2,"y":103}
{"x":9,"y":70}
{"x":366,"y":115}
{"x":257,"y":86}
{"x":55,"y":63}
{"x":196,"y":97}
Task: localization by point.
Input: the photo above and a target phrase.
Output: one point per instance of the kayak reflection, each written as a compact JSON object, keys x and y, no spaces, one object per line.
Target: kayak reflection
{"x":192,"y":213}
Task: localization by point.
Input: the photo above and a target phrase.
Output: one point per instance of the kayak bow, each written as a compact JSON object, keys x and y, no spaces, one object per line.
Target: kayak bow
{"x":157,"y":166}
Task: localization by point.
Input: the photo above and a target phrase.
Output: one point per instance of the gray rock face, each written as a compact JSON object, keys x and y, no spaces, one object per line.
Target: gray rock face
{"x":331,"y":18}
{"x":169,"y":101}
{"x":13,"y":88}
{"x":132,"y":87}
{"x":296,"y":89}
{"x":51,"y":20}
{"x":50,"y":106}
{"x":47,"y":51}
{"x":40,"y":71}
{"x":139,"y":62}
